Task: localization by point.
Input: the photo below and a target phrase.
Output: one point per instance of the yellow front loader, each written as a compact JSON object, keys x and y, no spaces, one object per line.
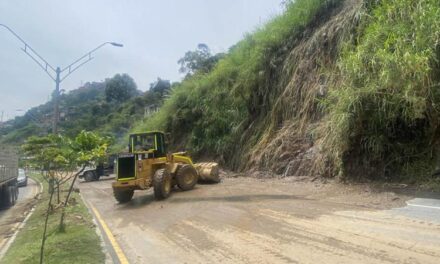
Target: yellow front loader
{"x":147,"y":164}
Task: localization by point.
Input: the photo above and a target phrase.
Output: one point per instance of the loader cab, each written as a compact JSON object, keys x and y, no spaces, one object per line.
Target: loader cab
{"x":150,"y":143}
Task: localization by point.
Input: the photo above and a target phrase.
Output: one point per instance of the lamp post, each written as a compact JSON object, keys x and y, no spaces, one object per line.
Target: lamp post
{"x":56,"y":74}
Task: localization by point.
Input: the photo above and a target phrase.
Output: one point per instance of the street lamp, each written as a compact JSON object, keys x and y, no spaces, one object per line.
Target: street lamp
{"x":56,"y":73}
{"x":117,"y":44}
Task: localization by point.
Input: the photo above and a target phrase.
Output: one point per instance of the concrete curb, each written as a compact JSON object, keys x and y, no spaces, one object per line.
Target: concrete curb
{"x":104,"y":245}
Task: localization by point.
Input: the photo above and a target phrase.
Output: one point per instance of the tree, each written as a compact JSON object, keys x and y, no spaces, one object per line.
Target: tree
{"x":89,"y":149}
{"x":155,"y":96}
{"x":200,"y":60}
{"x":51,"y":154}
{"x":286,"y":3}
{"x":160,"y":87}
{"x":59,"y":157}
{"x":120,"y":88}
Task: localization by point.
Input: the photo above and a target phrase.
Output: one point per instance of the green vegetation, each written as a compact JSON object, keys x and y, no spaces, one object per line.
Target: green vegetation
{"x":333,"y":87}
{"x":60,"y":158}
{"x":330,"y":87}
{"x":384,"y":113}
{"x":120,"y":88}
{"x":108,"y":107}
{"x":199,"y":61}
{"x":79,"y":244}
{"x":376,"y":80}
{"x":209,"y":112}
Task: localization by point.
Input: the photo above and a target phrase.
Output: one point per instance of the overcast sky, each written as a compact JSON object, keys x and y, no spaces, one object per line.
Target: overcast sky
{"x":155,"y":34}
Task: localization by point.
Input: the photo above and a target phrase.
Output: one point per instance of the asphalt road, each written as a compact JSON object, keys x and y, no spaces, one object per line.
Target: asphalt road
{"x":29,"y":191}
{"x":11,"y":218}
{"x":243,"y":220}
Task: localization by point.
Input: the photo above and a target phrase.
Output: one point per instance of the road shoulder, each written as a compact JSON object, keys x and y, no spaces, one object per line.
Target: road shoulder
{"x":78,"y":244}
{"x":12,"y":220}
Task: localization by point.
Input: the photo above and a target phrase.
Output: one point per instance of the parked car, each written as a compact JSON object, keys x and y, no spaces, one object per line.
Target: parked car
{"x":22,"y":178}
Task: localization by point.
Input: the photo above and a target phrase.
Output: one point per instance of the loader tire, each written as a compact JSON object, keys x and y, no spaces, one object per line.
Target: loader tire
{"x":186,"y":177}
{"x":123,"y":196}
{"x":162,"y":183}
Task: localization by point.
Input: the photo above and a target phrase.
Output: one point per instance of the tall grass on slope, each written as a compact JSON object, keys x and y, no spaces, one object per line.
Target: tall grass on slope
{"x":384,"y":117}
{"x":208,"y":113}
{"x":288,"y":143}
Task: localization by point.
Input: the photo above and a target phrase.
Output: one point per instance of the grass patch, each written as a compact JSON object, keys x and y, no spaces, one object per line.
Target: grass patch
{"x":78,"y":244}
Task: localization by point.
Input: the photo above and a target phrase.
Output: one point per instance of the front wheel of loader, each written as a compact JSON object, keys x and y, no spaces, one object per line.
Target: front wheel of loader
{"x":186,"y":177}
{"x":162,"y":183}
{"x":123,"y":196}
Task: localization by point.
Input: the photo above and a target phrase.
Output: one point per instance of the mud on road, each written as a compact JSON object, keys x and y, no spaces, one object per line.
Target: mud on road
{"x":246,"y":220}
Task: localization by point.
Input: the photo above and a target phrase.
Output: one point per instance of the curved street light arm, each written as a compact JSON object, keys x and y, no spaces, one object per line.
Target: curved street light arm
{"x":32,"y":53}
{"x":80,"y":61}
{"x":71,"y":70}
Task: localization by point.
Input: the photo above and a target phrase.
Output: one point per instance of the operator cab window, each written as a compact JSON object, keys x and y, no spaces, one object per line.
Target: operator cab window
{"x":143,"y":143}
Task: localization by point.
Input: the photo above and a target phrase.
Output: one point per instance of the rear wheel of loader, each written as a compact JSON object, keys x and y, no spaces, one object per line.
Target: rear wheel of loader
{"x":123,"y":196}
{"x":162,"y":183}
{"x":186,"y":177}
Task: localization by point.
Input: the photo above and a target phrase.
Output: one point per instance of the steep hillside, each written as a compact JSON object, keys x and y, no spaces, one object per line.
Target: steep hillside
{"x":109,"y":108}
{"x":329,"y":86}
{"x":255,"y":108}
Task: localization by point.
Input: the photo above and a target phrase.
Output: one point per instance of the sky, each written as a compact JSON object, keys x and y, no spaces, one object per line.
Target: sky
{"x":155,"y":34}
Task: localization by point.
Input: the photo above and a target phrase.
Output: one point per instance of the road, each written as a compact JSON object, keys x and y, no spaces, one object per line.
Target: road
{"x":244,"y":220}
{"x":11,"y":218}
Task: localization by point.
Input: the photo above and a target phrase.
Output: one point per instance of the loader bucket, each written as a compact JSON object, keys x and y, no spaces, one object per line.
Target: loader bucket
{"x":208,"y":171}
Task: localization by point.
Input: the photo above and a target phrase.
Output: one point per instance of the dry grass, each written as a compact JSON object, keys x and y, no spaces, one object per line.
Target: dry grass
{"x":288,"y":144}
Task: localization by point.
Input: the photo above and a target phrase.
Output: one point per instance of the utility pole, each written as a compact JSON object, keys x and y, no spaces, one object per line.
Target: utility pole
{"x":56,"y":107}
{"x":1,"y":120}
{"x":51,"y":71}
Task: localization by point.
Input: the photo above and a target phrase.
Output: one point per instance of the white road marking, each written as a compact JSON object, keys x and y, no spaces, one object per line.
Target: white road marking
{"x":423,"y":206}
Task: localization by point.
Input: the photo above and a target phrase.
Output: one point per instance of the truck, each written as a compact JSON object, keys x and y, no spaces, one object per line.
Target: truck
{"x":8,"y":176}
{"x":93,"y":173}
